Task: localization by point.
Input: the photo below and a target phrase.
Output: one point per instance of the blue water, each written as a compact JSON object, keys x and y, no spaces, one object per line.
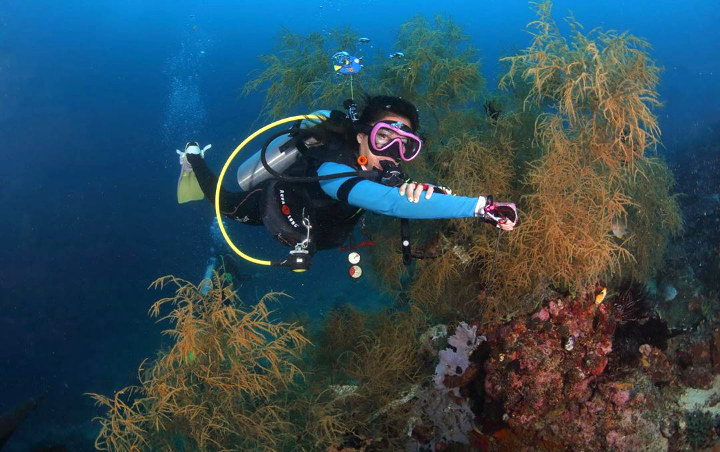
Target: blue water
{"x":96,"y":95}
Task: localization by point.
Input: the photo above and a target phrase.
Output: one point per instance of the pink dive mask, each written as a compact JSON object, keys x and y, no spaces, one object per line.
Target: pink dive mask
{"x":395,"y":140}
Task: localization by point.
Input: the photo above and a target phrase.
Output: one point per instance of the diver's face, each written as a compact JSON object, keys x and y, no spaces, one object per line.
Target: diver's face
{"x":373,"y":161}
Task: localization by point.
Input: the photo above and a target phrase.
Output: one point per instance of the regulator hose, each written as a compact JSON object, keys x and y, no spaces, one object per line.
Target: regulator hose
{"x":218,"y":214}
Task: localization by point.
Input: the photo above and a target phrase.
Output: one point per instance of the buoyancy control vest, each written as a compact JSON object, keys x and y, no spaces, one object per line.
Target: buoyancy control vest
{"x":295,"y":160}
{"x":290,"y":184}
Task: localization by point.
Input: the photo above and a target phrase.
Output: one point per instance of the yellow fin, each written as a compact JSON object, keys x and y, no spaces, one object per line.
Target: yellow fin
{"x":188,"y":188}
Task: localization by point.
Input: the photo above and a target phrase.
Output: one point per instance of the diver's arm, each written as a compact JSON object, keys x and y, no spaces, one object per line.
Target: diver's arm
{"x":385,"y":200}
{"x":208,"y":183}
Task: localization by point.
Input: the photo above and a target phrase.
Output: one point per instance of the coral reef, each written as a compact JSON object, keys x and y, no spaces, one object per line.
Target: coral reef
{"x":553,"y":381}
{"x":441,"y":412}
{"x":568,"y":364}
{"x":551,"y":363}
{"x":700,"y":429}
{"x":564,"y":377}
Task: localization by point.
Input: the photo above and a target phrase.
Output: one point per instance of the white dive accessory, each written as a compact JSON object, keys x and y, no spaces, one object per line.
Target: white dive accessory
{"x":355,"y":272}
{"x":280,"y":155}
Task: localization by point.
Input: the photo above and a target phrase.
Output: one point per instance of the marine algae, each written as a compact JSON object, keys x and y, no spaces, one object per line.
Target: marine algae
{"x":440,"y":71}
{"x":219,"y":385}
{"x":576,"y":154}
{"x":595,"y":93}
{"x":386,"y":363}
{"x":601,"y":82}
{"x":299,"y":74}
{"x":571,"y":139}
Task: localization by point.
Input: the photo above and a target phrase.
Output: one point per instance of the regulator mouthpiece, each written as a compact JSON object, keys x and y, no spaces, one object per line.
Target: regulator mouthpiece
{"x":392,"y":174}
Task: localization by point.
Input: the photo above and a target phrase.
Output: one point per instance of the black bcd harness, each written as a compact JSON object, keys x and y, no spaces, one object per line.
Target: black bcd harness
{"x":289,"y":228}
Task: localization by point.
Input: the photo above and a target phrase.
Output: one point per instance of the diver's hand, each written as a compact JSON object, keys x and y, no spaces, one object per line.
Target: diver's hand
{"x":503,"y":215}
{"x":505,"y":226}
{"x":414,"y":190}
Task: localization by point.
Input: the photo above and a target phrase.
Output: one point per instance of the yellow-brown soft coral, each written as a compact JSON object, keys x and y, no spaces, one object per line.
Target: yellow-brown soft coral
{"x":216,"y":386}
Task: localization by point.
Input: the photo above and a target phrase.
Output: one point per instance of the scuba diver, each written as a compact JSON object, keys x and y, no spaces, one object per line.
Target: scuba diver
{"x":345,"y":165}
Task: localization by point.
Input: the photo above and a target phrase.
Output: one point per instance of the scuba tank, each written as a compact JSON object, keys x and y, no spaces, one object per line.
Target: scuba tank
{"x":280,"y":154}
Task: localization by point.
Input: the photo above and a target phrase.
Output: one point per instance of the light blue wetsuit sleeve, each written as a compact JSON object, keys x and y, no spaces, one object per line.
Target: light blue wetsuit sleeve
{"x":386,"y":200}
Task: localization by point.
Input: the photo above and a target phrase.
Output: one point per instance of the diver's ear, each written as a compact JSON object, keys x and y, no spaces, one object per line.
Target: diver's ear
{"x":361,"y":137}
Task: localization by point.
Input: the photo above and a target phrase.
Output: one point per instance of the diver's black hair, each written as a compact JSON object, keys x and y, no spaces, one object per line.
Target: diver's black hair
{"x":378,"y":106}
{"x":337,"y":126}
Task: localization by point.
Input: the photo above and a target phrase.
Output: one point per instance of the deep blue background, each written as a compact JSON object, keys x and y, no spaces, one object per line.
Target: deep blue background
{"x":89,"y":216}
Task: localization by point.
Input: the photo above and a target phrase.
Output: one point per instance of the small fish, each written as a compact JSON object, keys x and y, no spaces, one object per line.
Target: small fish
{"x":619,"y":229}
{"x":395,"y":55}
{"x":601,"y":296}
{"x":669,"y":292}
{"x":711,"y":198}
{"x":570,"y":343}
{"x":364,"y":40}
{"x":492,"y":110}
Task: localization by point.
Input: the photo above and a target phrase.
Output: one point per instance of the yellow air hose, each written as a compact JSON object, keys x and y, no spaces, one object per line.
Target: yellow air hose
{"x":227,"y":165}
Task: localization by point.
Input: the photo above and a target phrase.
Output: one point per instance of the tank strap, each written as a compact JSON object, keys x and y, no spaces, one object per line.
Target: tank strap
{"x":344,"y":191}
